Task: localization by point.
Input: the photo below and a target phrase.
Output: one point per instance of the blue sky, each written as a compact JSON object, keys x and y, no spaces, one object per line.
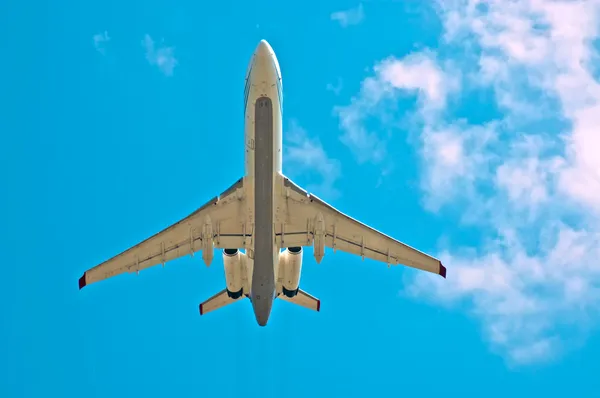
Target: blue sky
{"x":465,"y":129}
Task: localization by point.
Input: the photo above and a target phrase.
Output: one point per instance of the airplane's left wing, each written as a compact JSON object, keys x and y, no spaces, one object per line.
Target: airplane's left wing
{"x":309,"y":221}
{"x":218,"y":222}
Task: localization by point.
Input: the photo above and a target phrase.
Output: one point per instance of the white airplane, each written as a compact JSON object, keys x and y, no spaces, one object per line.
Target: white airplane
{"x":263,"y":213}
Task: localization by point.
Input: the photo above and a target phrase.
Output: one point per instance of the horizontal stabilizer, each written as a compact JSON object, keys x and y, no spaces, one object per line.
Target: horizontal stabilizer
{"x":217,"y":301}
{"x":303,"y":299}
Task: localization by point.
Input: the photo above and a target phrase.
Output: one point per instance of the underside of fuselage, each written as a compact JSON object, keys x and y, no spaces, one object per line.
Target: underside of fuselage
{"x":263,"y":277}
{"x":263,"y":162}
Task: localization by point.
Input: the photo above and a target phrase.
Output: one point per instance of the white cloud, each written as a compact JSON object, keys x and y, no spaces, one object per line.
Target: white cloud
{"x":366,"y":145}
{"x":353,"y":16}
{"x":100,"y":41}
{"x":454,"y":158}
{"x":526,"y":175}
{"x":161,"y":56}
{"x":306,"y":155}
{"x":525,"y":300}
{"x":335,"y":88}
{"x":417,"y":74}
{"x":529,"y":179}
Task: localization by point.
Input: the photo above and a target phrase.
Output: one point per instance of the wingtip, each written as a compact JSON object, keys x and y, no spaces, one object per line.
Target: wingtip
{"x":82,"y":281}
{"x":442,"y":270}
{"x":201,"y":309}
{"x":318,"y":305}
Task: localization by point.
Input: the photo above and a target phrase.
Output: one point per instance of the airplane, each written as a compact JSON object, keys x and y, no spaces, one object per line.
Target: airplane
{"x":265,"y":214}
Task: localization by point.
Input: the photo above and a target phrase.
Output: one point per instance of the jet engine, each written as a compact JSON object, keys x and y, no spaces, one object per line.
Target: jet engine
{"x":289,"y":271}
{"x":234,"y":272}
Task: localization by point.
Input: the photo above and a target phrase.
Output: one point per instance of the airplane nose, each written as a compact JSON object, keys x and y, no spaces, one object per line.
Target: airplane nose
{"x":264,"y":49}
{"x":264,"y":71}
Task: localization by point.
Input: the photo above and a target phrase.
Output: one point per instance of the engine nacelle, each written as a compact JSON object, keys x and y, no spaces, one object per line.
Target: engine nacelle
{"x":233,"y":261}
{"x":290,"y":267}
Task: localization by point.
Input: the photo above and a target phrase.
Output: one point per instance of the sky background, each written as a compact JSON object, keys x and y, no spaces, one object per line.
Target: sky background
{"x":466,"y":129}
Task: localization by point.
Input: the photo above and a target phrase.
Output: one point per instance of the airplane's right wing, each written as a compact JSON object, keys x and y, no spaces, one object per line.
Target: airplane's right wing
{"x":311,"y":221}
{"x":218,"y":222}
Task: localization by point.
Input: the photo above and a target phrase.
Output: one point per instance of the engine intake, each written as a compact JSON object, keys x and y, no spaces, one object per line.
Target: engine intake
{"x":235,"y":295}
{"x":289,"y":293}
{"x":230,"y":252}
{"x":295,"y":250}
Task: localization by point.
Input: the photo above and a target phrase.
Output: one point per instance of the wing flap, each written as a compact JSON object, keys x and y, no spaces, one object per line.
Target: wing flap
{"x":294,"y":239}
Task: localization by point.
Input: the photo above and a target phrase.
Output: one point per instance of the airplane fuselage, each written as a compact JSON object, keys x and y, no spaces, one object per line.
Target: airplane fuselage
{"x":263,"y":158}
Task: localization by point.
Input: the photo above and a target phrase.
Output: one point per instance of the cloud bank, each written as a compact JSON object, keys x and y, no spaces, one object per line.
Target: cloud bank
{"x":528,"y":175}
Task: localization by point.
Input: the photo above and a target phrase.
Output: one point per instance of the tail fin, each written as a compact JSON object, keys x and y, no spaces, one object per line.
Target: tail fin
{"x":303,"y":299}
{"x":217,"y":301}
